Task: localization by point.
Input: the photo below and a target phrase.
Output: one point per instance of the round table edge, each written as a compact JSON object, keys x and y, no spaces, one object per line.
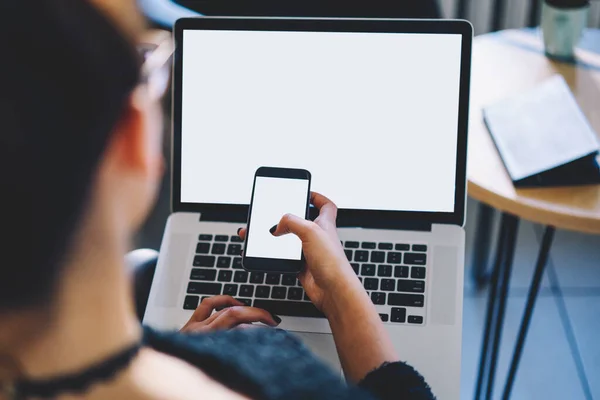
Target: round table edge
{"x":568,"y":221}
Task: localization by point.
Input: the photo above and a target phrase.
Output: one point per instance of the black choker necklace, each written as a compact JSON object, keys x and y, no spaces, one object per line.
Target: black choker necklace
{"x":75,"y":383}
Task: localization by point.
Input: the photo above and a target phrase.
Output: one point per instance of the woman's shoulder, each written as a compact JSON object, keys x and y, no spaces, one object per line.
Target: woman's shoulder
{"x":257,"y":362}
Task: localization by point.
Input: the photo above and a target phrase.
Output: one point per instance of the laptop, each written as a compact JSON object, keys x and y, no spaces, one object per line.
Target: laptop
{"x":377,"y":111}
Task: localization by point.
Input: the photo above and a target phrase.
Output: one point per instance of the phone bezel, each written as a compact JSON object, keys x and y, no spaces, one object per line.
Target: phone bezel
{"x":277,"y":265}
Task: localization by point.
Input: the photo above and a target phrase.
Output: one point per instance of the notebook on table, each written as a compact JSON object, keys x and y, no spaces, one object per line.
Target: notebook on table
{"x":544,"y":138}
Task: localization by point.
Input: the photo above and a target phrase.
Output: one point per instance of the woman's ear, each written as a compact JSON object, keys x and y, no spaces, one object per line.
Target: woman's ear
{"x":135,"y":144}
{"x":133,"y":164}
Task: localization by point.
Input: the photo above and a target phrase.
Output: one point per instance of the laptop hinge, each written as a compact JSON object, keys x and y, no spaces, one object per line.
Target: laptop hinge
{"x":394,"y":225}
{"x":219,"y":216}
{"x":371,"y":223}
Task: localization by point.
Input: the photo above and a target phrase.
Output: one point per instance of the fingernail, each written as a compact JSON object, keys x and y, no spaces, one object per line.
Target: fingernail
{"x":239,"y":230}
{"x":276,"y":318}
{"x":273,"y":229}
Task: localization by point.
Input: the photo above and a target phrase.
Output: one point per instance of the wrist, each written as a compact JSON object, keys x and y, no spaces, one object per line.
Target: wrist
{"x":347,"y":298}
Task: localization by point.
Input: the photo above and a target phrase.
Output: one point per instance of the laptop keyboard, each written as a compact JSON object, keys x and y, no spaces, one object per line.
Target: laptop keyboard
{"x":393,"y":274}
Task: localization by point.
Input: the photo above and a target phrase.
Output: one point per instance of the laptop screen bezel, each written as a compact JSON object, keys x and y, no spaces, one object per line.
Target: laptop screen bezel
{"x":346,"y":217}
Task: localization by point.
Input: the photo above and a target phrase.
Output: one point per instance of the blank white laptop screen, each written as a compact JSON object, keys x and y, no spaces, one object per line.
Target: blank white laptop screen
{"x":372,"y":116}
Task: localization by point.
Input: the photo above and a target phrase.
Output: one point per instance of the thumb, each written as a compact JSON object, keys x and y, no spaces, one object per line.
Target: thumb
{"x":300,"y":227}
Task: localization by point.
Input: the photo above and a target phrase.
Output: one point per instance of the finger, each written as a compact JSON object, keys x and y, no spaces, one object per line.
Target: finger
{"x":242,"y":233}
{"x":235,"y":316}
{"x":300,"y":227}
{"x":208,"y":305}
{"x":327,"y":208}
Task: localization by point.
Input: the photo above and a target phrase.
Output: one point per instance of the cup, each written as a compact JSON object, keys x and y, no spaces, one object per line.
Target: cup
{"x":563,"y":22}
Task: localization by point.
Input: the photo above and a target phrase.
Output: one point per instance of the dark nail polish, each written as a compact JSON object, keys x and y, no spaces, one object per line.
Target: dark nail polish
{"x":238,"y":231}
{"x":276,"y":318}
{"x":273,"y":229}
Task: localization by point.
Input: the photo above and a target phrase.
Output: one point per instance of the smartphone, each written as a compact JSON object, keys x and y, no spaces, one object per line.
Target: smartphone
{"x":276,"y":192}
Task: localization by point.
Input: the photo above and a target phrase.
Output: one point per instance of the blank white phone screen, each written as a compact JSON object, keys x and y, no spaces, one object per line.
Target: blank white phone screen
{"x":273,"y":198}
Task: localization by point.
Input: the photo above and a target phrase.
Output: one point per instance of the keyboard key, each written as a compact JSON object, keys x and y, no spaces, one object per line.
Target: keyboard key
{"x":378,"y":298}
{"x":371,"y":283}
{"x":384,"y":317}
{"x":204,"y":261}
{"x":191,"y":302}
{"x":263,"y":292}
{"x":246,"y":290}
{"x":272,"y":279}
{"x":201,"y":274}
{"x":351,"y":245}
{"x":288,"y":280}
{"x":236,"y":239}
{"x":415,"y":319}
{"x":406,"y":300}
{"x":389,"y":285}
{"x":223,"y":262}
{"x":417,"y":272}
{"x":221,"y":238}
{"x":361,"y":255}
{"x":237,"y":263}
{"x":394,"y":258}
{"x":247,"y":302}
{"x":415,"y":258}
{"x":295,"y":293}
{"x":202,"y":248}
{"x":377,"y":256}
{"x":224,"y":275}
{"x":240,"y":277}
{"x":230,"y":289}
{"x":405,"y":285}
{"x":205,"y":237}
{"x":402,"y":247}
{"x":355,"y":267}
{"x":234,"y":249}
{"x":278,"y":292}
{"x":348,"y":254}
{"x":204,"y":288}
{"x":289,"y":308}
{"x":418,"y":247}
{"x":257,"y":277}
{"x":401,"y":271}
{"x":368,"y":245}
{"x":385,"y":246}
{"x":218,"y":248}
{"x":368,"y":270}
{"x":398,"y":314}
{"x":384,"y":270}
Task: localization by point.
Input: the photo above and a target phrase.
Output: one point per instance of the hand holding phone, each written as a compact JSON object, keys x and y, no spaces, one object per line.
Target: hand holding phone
{"x":276,"y":192}
{"x":327,"y":278}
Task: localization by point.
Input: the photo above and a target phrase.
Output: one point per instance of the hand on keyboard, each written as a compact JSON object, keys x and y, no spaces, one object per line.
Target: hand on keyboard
{"x":328,"y":273}
{"x":230,"y":314}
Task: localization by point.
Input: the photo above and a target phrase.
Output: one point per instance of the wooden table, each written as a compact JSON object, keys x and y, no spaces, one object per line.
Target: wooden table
{"x":504,"y":64}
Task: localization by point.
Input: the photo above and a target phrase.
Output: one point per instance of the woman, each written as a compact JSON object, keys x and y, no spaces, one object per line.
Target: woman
{"x":80,"y":160}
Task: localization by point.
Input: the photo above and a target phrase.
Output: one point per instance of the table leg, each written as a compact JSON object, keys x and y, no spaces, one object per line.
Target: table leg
{"x":496,"y":303}
{"x":511,"y":241}
{"x":531,"y":298}
{"x":481,"y":248}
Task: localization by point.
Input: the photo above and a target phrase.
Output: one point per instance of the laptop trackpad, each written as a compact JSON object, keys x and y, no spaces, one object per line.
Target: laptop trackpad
{"x":323,"y":346}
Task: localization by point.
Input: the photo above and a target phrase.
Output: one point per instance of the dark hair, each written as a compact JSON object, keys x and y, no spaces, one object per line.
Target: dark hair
{"x":65,"y":75}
